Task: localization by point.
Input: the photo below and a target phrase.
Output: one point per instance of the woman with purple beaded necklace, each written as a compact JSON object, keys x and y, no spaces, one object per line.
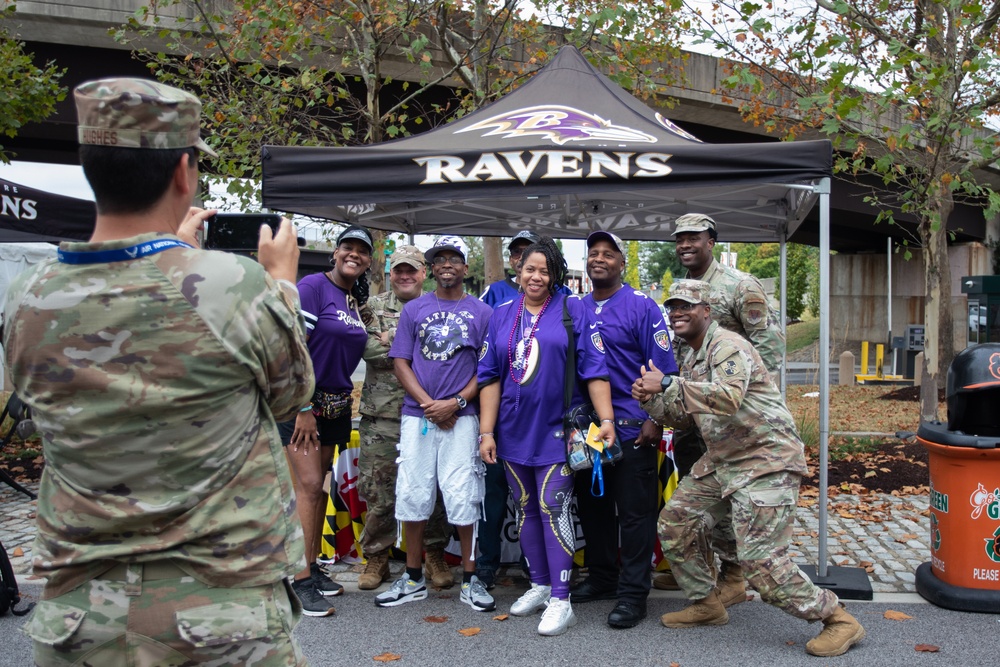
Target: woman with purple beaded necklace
{"x":521,"y":376}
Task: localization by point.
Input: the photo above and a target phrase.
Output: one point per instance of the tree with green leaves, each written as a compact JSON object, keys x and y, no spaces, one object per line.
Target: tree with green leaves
{"x":28,"y":93}
{"x":906,"y":90}
{"x":632,"y":265}
{"x":658,"y":259}
{"x":343,"y":72}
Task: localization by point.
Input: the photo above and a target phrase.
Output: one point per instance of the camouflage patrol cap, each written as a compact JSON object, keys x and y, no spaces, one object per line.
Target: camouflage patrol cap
{"x":138,"y":113}
{"x":407,"y":254}
{"x":691,"y":291}
{"x":693,"y":222}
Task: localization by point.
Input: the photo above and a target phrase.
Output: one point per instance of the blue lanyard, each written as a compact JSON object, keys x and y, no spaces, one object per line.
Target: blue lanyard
{"x":121,"y":254}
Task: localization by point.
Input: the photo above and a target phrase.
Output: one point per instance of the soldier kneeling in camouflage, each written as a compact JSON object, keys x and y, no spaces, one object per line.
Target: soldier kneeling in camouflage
{"x":753,"y":465}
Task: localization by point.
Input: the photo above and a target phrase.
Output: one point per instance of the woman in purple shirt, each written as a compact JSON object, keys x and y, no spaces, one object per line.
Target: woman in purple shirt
{"x":521,"y":376}
{"x":331,"y":304}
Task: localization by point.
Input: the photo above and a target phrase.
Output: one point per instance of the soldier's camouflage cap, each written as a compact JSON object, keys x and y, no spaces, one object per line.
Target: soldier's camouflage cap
{"x":138,"y":113}
{"x":692,"y":291}
{"x":407,"y":254}
{"x":693,"y":222}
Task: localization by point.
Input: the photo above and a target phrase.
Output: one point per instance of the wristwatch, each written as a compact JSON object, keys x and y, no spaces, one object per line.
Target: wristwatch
{"x":665,"y":382}
{"x":461,"y":402}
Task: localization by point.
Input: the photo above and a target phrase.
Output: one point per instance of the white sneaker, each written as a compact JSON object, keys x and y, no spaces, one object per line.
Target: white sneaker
{"x":531,"y":601}
{"x":557,"y":618}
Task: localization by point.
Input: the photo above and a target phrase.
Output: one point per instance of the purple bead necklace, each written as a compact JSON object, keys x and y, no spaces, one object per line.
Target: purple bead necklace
{"x":528,"y":342}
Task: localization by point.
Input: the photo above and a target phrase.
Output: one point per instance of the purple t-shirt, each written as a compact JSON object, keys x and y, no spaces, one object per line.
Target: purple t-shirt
{"x":634,"y":332}
{"x":441,"y":340}
{"x":532,"y":434}
{"x":337,"y":336}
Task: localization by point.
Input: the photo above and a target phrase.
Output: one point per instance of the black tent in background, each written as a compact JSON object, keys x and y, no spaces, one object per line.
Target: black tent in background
{"x":30,"y":215}
{"x":568,"y":152}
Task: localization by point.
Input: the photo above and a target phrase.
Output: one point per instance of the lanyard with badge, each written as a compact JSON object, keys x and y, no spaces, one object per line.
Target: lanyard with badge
{"x":120,"y":254}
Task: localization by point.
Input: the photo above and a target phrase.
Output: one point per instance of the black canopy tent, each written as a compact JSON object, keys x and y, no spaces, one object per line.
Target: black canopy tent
{"x":567,"y":153}
{"x":31,"y":215}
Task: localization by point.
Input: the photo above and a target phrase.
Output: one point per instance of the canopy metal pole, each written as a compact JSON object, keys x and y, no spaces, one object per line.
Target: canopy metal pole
{"x":824,"y":366}
{"x":888,"y":297}
{"x":784,"y":310}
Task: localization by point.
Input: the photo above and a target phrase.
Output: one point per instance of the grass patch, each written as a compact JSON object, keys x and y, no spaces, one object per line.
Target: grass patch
{"x":848,"y":446}
{"x":802,"y":334}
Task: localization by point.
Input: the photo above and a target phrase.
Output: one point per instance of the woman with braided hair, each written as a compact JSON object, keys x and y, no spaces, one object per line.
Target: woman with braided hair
{"x":521,"y":377}
{"x":331,"y":304}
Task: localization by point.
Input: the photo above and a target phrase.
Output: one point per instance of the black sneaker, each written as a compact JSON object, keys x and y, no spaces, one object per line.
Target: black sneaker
{"x":313,"y":604}
{"x":488,"y":578}
{"x":326,"y":586}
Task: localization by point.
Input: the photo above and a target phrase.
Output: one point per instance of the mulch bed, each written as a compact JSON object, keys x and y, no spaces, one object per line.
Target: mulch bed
{"x":896,"y":467}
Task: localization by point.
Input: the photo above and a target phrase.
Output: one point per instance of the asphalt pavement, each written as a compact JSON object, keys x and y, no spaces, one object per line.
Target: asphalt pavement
{"x":757,"y":634}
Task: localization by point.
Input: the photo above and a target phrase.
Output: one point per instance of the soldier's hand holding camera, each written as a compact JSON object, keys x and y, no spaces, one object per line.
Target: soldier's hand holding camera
{"x":279,"y":253}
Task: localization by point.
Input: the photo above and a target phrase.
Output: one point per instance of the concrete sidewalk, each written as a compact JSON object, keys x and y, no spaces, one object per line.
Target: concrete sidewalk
{"x":885,"y":534}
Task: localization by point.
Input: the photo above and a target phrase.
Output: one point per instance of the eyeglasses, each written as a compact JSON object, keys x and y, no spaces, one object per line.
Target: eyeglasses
{"x":684,"y":308}
{"x":454,"y":260}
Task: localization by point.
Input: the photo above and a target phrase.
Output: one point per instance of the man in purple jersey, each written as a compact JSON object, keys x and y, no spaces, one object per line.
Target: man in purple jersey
{"x":435,"y":354}
{"x":634,"y":331}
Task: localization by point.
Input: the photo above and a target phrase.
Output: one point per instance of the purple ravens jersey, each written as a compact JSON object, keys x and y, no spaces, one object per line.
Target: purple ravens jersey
{"x":337,"y":336}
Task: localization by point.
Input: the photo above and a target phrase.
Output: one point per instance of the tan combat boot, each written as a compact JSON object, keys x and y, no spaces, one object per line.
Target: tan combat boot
{"x":841,"y":631}
{"x":708,"y":611}
{"x":437,"y":570}
{"x":376,"y":571}
{"x":665,"y":581}
{"x":732,"y":587}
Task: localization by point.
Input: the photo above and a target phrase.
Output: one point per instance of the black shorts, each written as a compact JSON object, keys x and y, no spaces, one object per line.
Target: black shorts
{"x":332,"y":432}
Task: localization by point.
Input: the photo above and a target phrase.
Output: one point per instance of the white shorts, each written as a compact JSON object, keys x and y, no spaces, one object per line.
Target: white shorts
{"x":449,"y":459}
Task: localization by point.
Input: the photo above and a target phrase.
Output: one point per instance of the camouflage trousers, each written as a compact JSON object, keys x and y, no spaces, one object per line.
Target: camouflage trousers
{"x":152,"y":615}
{"x":762,"y":513}
{"x":377,"y":485}
{"x":688,"y":448}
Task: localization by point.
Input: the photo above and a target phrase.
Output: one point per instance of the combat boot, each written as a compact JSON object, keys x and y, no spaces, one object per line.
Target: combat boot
{"x":437,"y":569}
{"x":665,"y":581}
{"x":841,"y":631}
{"x":708,"y":611}
{"x":376,"y":571}
{"x":731,"y":586}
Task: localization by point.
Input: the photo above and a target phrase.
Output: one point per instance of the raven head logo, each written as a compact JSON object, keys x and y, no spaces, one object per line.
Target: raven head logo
{"x":558,"y":124}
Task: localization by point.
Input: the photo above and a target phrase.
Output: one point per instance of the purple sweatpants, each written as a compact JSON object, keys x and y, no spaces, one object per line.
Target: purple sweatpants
{"x":543,"y":495}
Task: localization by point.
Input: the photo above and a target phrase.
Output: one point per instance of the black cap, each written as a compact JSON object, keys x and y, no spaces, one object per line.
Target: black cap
{"x":356,"y":232}
{"x":523,"y":235}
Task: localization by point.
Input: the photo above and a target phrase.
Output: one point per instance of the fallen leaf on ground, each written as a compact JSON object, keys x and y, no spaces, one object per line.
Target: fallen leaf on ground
{"x":893,"y":615}
{"x":928,"y":648}
{"x":790,"y":642}
{"x":436,"y":619}
{"x":17,"y":552}
{"x":387,"y":657}
{"x":469,"y":632}
{"x":909,"y":536}
{"x":675,"y":664}
{"x":501,"y":617}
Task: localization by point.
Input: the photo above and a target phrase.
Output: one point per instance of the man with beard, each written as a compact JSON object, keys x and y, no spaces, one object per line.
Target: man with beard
{"x":436,"y":352}
{"x":381,"y":402}
{"x":751,"y":471}
{"x":633,"y":332}
{"x":740,"y":305}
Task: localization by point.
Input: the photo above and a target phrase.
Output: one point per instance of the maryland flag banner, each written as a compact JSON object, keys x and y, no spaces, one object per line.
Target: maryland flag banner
{"x":345,"y":510}
{"x":668,"y":484}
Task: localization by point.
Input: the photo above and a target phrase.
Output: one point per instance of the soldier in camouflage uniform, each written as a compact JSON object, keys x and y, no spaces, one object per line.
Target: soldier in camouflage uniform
{"x":752,"y":467}
{"x":740,"y":305}
{"x":155,"y":371}
{"x":381,"y":401}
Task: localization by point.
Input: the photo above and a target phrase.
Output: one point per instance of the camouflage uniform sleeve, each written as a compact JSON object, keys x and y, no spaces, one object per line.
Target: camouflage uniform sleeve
{"x":761,"y":323}
{"x":666,"y":409}
{"x":729,"y":378}
{"x":376,"y":354}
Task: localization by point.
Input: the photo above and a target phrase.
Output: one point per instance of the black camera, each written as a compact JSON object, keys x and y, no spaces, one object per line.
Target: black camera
{"x":239,"y":232}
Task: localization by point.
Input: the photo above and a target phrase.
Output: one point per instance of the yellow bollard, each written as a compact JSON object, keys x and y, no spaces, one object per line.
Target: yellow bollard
{"x":864,"y":357}
{"x":879,"y":361}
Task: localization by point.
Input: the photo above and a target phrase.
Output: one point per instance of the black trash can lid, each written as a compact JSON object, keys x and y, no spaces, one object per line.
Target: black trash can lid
{"x":938,"y":433}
